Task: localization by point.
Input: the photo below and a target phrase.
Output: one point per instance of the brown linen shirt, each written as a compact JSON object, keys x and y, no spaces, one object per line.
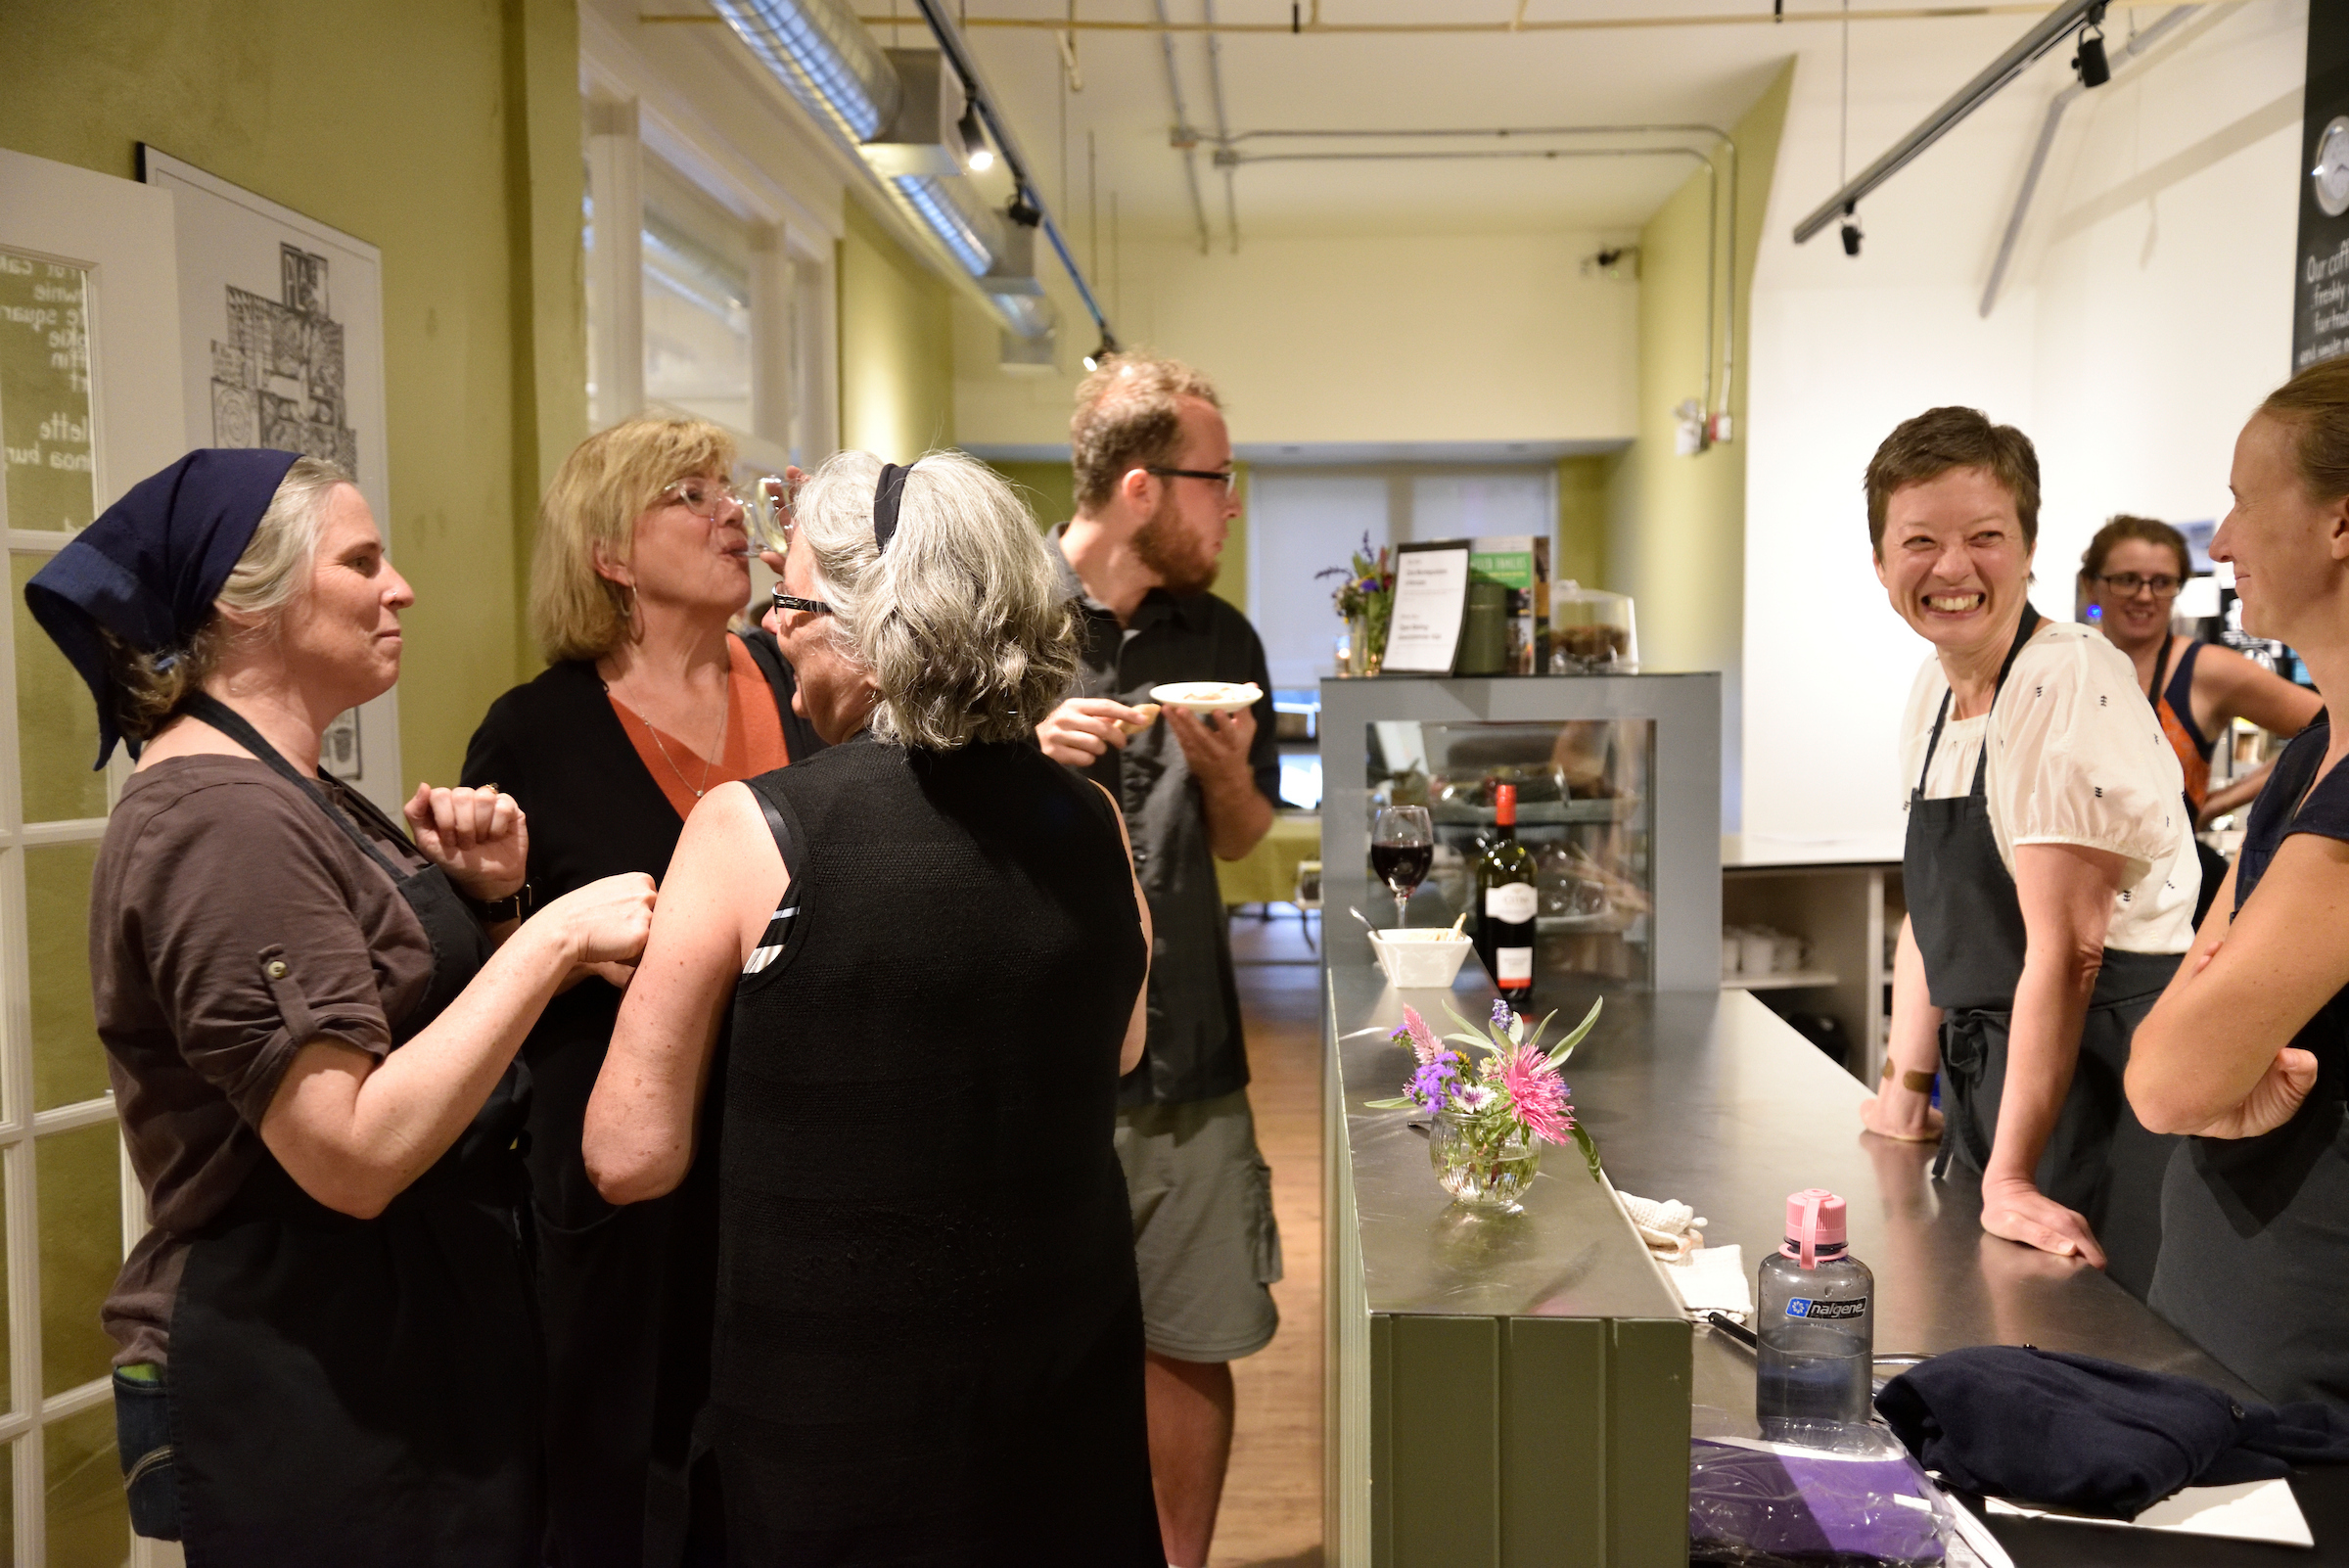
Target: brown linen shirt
{"x":212,"y":867}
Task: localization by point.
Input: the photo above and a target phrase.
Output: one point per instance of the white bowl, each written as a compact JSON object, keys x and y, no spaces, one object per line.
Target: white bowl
{"x":1420,"y":959}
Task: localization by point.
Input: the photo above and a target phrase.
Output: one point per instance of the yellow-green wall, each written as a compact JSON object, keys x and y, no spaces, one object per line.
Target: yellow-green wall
{"x":1676,"y":525}
{"x":1048,"y":488}
{"x":1581,"y":553}
{"x":897,"y":347}
{"x":445,"y":132}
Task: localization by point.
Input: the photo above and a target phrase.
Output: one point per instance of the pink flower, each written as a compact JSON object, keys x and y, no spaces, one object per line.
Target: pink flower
{"x":1424,"y":1043}
{"x":1539,"y":1094}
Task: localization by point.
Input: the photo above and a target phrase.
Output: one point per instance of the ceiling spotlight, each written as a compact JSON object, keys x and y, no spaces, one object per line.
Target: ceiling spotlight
{"x":1851,"y":229}
{"x":976,"y":154}
{"x":1108,"y":346}
{"x":1021,"y":210}
{"x":2093,"y":69}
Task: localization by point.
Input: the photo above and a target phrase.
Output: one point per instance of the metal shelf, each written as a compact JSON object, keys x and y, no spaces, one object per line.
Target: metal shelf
{"x":1783,"y":980}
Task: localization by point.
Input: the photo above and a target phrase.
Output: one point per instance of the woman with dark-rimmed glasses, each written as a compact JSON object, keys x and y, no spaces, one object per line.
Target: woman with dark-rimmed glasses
{"x":650,"y":702}
{"x":2130,"y":573}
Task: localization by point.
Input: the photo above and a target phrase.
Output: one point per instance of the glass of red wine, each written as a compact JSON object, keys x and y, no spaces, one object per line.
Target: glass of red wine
{"x":1402,"y":847}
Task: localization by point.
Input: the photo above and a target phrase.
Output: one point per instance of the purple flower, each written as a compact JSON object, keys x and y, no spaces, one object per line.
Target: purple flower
{"x":1472,"y":1097}
{"x":1500,"y":1013}
{"x":1433,"y":1081}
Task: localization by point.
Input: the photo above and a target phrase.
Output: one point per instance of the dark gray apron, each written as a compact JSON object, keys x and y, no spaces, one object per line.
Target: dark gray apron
{"x":1968,"y":924}
{"x":365,"y":1392}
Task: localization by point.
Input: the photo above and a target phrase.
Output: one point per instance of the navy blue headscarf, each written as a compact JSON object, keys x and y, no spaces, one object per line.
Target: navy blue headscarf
{"x":150,"y":567}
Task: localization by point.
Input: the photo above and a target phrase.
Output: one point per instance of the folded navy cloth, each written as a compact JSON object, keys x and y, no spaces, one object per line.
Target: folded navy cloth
{"x":2094,"y":1437}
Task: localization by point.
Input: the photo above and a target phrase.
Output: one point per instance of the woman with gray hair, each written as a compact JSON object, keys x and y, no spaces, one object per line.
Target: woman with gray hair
{"x":933,"y":951}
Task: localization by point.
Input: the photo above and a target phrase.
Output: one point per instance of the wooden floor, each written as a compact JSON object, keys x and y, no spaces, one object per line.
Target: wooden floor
{"x":1272,"y":1514}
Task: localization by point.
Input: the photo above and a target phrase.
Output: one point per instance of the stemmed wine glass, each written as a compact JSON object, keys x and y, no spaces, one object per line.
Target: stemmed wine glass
{"x":1402,"y":847}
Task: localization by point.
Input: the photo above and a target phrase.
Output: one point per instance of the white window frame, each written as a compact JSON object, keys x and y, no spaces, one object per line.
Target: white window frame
{"x":632,"y":109}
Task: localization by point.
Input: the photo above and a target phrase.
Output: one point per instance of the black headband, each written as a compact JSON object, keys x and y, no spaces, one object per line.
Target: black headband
{"x":886,"y":496}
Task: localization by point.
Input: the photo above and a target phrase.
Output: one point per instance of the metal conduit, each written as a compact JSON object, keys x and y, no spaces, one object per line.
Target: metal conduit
{"x":2046,"y":143}
{"x":1184,"y":136}
{"x":1214,"y":78}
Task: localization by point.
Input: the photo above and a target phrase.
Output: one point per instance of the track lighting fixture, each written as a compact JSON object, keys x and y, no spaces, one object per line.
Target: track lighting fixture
{"x":977,"y":155}
{"x":1108,"y":346}
{"x":2093,"y":69}
{"x":1022,"y":211}
{"x":1851,"y":229}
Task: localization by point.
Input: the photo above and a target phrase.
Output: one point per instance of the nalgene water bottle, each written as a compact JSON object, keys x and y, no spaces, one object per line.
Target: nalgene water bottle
{"x":1816,"y":1320}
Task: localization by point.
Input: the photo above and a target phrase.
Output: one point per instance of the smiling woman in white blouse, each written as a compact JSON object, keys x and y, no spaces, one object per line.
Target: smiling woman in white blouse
{"x":2049,"y":870}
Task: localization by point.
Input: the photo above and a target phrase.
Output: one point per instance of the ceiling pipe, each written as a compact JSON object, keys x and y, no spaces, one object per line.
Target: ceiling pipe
{"x":2020,"y":56}
{"x":1527,"y":25}
{"x":1215,"y":77}
{"x":1184,"y":137}
{"x":998,"y":127}
{"x":2047,"y":142}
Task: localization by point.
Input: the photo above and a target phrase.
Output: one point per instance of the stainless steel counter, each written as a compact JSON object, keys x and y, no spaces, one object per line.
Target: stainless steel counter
{"x":1707,"y":1097}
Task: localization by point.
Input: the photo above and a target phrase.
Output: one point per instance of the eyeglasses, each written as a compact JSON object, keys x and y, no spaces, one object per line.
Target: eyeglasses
{"x":706,"y":499}
{"x":2126,"y":585}
{"x":1229,"y":479}
{"x":792,"y":601}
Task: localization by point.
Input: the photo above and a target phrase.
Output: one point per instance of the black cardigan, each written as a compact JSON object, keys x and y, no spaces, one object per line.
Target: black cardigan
{"x":557,"y":747}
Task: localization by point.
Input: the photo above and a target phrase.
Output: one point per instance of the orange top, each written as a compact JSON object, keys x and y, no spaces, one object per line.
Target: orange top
{"x":753,"y":737}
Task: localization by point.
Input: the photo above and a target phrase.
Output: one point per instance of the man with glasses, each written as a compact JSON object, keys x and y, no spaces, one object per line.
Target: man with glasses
{"x":1155,"y":499}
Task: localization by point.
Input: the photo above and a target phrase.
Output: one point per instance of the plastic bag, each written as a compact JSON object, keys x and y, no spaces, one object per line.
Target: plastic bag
{"x":1846,"y":1497}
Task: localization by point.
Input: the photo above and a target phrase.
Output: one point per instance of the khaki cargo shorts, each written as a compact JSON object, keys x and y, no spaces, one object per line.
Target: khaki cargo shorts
{"x":1204,"y":1238}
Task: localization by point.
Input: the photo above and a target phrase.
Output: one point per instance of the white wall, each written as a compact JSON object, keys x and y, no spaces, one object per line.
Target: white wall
{"x":1418,"y":339}
{"x":2149,"y":311}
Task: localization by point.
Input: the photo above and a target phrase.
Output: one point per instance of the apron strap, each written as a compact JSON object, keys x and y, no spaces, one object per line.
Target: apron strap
{"x":2022,"y":635}
{"x":228,"y":722}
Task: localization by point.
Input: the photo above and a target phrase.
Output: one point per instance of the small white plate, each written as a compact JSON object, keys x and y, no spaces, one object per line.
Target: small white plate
{"x":1209,"y":696}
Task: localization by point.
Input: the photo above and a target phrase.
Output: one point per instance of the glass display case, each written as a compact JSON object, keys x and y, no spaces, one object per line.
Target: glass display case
{"x":1616,"y":783}
{"x":1583,"y":809}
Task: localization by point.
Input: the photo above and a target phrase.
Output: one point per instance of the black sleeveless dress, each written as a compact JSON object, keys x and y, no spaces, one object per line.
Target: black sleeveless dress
{"x":928,"y":1333}
{"x":2255,"y":1232}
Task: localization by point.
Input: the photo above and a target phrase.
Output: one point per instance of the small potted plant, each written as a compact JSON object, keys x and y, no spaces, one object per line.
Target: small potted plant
{"x":1492,"y":1110}
{"x":1366,"y":602}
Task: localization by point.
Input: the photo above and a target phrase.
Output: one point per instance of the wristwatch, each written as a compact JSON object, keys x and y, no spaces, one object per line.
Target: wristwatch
{"x":516,"y":905}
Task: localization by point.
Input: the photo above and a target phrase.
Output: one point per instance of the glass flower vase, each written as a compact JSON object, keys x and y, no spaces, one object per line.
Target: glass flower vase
{"x":1482,"y":1166}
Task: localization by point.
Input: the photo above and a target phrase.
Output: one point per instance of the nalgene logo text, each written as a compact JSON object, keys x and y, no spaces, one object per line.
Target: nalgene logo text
{"x":1805,"y":1307}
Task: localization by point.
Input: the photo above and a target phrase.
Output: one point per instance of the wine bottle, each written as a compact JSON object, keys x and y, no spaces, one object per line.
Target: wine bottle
{"x":1505,"y":904}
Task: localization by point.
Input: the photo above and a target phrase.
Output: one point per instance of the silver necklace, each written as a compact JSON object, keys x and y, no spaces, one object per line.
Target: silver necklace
{"x":723,"y":715}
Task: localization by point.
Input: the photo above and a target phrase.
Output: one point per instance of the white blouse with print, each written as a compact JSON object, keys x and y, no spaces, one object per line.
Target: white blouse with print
{"x":2076,"y":757}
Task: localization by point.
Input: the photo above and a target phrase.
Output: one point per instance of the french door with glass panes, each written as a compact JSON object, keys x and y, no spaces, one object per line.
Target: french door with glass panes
{"x":90,"y":403}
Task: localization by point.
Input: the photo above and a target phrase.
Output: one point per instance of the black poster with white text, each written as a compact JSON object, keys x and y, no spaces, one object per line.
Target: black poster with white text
{"x":2321,"y":281}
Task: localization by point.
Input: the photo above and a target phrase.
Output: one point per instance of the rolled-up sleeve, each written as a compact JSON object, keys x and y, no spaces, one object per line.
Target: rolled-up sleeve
{"x":247,"y":924}
{"x":2085,"y":762}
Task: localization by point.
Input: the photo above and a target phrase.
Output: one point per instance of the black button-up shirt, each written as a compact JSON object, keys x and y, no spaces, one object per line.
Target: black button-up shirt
{"x":1196,"y":1051}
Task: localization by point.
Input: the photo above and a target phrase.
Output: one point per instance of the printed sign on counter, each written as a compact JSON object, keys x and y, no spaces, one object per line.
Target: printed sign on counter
{"x":1431,"y":596}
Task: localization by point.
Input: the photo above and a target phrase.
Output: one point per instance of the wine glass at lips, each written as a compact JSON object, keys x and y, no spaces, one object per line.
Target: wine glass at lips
{"x":1402,"y":845}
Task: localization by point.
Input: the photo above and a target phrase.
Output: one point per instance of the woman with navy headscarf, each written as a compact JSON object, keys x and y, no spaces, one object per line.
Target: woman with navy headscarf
{"x":326,"y":1349}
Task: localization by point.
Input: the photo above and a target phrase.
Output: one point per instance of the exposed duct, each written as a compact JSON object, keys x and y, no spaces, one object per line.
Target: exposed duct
{"x":900,"y":110}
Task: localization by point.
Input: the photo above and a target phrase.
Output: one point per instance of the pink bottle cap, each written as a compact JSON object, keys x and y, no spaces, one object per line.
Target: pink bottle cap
{"x":1813,"y":1224}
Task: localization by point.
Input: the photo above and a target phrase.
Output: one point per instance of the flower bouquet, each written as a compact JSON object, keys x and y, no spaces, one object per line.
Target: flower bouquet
{"x":1366,"y":602}
{"x":1491,"y":1112}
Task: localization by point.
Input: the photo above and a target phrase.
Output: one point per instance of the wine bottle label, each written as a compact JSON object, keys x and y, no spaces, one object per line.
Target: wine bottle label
{"x":1515,"y":966}
{"x":1512,"y":903}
